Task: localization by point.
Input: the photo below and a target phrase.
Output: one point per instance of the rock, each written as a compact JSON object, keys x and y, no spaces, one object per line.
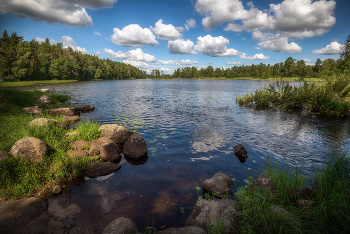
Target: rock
{"x":44,"y":99}
{"x":279,"y":211}
{"x":30,"y":148}
{"x":101,"y":169}
{"x":184,"y":230}
{"x":106,"y":149}
{"x":240,"y":151}
{"x":44,"y":122}
{"x":72,"y":135}
{"x":3,"y":155}
{"x":45,"y":90}
{"x":56,"y":190}
{"x":120,"y":226}
{"x":86,"y":108}
{"x":33,"y":110}
{"x":79,"y":153}
{"x":135,"y":146}
{"x":70,"y":111}
{"x":74,"y":230}
{"x":208,"y":212}
{"x":70,"y":119}
{"x":18,"y":213}
{"x":62,"y":211}
{"x":82,"y":145}
{"x":220,"y":183}
{"x":264,"y":184}
{"x":304,"y":202}
{"x":117,"y":133}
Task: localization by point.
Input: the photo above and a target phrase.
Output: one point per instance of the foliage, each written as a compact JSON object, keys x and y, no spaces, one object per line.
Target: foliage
{"x":22,"y":61}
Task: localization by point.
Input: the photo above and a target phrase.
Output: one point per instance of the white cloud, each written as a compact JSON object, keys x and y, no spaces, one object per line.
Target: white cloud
{"x":180,"y":46}
{"x":69,"y":42}
{"x":191,"y":23}
{"x":176,"y":63}
{"x":98,"y":34}
{"x":233,"y":63}
{"x":138,"y":64}
{"x":331,"y":49}
{"x":40,"y":40}
{"x":166,"y":31}
{"x":133,"y":36}
{"x":255,"y":57}
{"x":215,"y":46}
{"x":307,"y":60}
{"x":276,"y":43}
{"x":67,"y":12}
{"x":136,"y":55}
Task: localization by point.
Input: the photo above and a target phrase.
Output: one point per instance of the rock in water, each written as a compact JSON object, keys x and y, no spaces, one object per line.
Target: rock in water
{"x":86,"y":108}
{"x":106,"y":149}
{"x":117,"y":133}
{"x":184,"y":230}
{"x":135,"y":146}
{"x":120,"y":226}
{"x":29,"y":147}
{"x":101,"y":169}
{"x":220,"y":183}
{"x":240,"y":151}
{"x":70,"y":111}
{"x":56,"y":190}
{"x":45,"y":90}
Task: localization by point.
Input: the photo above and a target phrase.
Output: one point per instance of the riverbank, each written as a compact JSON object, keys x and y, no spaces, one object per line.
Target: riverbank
{"x":28,"y":83}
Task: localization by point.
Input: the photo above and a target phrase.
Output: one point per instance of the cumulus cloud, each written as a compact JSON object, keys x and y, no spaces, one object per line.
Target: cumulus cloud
{"x":215,"y":46}
{"x":69,"y":42}
{"x":136,"y":55}
{"x":276,"y":43}
{"x":133,"y":36}
{"x":67,"y":12}
{"x":40,"y":40}
{"x":291,"y":18}
{"x":233,"y":63}
{"x":98,"y":34}
{"x":191,"y":23}
{"x":176,"y":63}
{"x":260,"y":56}
{"x":180,"y":46}
{"x":166,"y":31}
{"x":331,"y":49}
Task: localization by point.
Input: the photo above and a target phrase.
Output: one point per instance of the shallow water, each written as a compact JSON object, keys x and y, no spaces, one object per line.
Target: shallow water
{"x":190,"y":127}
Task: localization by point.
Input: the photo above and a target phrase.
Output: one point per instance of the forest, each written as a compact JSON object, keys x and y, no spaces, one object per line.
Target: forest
{"x":27,"y":61}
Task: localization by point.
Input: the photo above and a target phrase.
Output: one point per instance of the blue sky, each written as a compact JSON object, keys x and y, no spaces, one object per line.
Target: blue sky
{"x":168,"y":34}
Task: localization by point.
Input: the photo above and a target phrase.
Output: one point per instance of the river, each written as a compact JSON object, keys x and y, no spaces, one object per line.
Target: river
{"x":190,"y":127}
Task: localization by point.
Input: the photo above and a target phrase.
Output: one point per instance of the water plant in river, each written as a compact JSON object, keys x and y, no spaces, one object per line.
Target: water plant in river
{"x":328,"y":99}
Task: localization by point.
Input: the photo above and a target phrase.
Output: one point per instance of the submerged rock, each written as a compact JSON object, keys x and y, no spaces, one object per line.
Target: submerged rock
{"x":220,"y":184}
{"x":135,"y":146}
{"x":120,"y":226}
{"x":116,"y":133}
{"x":33,"y":110}
{"x":30,"y":148}
{"x":44,"y":99}
{"x":183,"y":230}
{"x":101,"y":169}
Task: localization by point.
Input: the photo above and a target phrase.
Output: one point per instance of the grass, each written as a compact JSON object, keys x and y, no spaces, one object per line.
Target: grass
{"x":27,"y":83}
{"x":327,"y":99}
{"x":21,"y":178}
{"x":330,"y":212}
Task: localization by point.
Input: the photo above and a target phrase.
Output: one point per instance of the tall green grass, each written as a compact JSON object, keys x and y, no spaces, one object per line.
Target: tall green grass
{"x":327,"y":99}
{"x":330,"y":212}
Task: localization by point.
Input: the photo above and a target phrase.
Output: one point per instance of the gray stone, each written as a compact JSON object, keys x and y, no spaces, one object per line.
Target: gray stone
{"x":33,"y":110}
{"x":135,"y":146}
{"x":44,"y":122}
{"x":240,"y":151}
{"x":264,"y":184}
{"x":220,"y":184}
{"x":101,"y":169}
{"x":30,"y":148}
{"x":117,"y":133}
{"x":70,"y":111}
{"x":279,"y":211}
{"x":56,"y":190}
{"x":184,"y":230}
{"x":70,"y":119}
{"x":45,"y":90}
{"x":208,"y":212}
{"x":83,"y":145}
{"x":44,"y":99}
{"x":120,"y":226}
{"x":106,"y":149}
{"x":70,"y":136}
{"x":86,"y":108}
{"x":79,"y":153}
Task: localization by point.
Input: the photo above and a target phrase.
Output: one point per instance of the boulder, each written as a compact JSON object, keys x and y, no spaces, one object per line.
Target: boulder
{"x":183,"y":230}
{"x":220,"y":185}
{"x":117,"y":133}
{"x":45,"y":90}
{"x":207,"y":213}
{"x":72,"y":135}
{"x":82,"y":145}
{"x":79,"y":153}
{"x":135,"y":146}
{"x":3,"y":155}
{"x":44,"y":99}
{"x":120,"y":226}
{"x":70,"y":119}
{"x":44,"y":122}
{"x":33,"y":110}
{"x":282,"y":213}
{"x":70,"y":111}
{"x":240,"y":151}
{"x":30,"y":148}
{"x":264,"y":184}
{"x":106,"y":149}
{"x":56,"y":190}
{"x":86,"y":108}
{"x":101,"y":169}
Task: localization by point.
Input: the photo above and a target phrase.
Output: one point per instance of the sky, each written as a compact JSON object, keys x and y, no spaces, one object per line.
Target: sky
{"x":171,"y":34}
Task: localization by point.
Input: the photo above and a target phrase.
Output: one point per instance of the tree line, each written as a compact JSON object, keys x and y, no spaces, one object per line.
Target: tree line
{"x":24,"y":61}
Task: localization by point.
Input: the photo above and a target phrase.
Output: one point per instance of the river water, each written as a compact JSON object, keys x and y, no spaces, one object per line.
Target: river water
{"x":190,"y":127}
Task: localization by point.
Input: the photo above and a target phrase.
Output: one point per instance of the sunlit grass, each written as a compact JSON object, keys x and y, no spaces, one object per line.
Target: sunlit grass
{"x":28,"y":83}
